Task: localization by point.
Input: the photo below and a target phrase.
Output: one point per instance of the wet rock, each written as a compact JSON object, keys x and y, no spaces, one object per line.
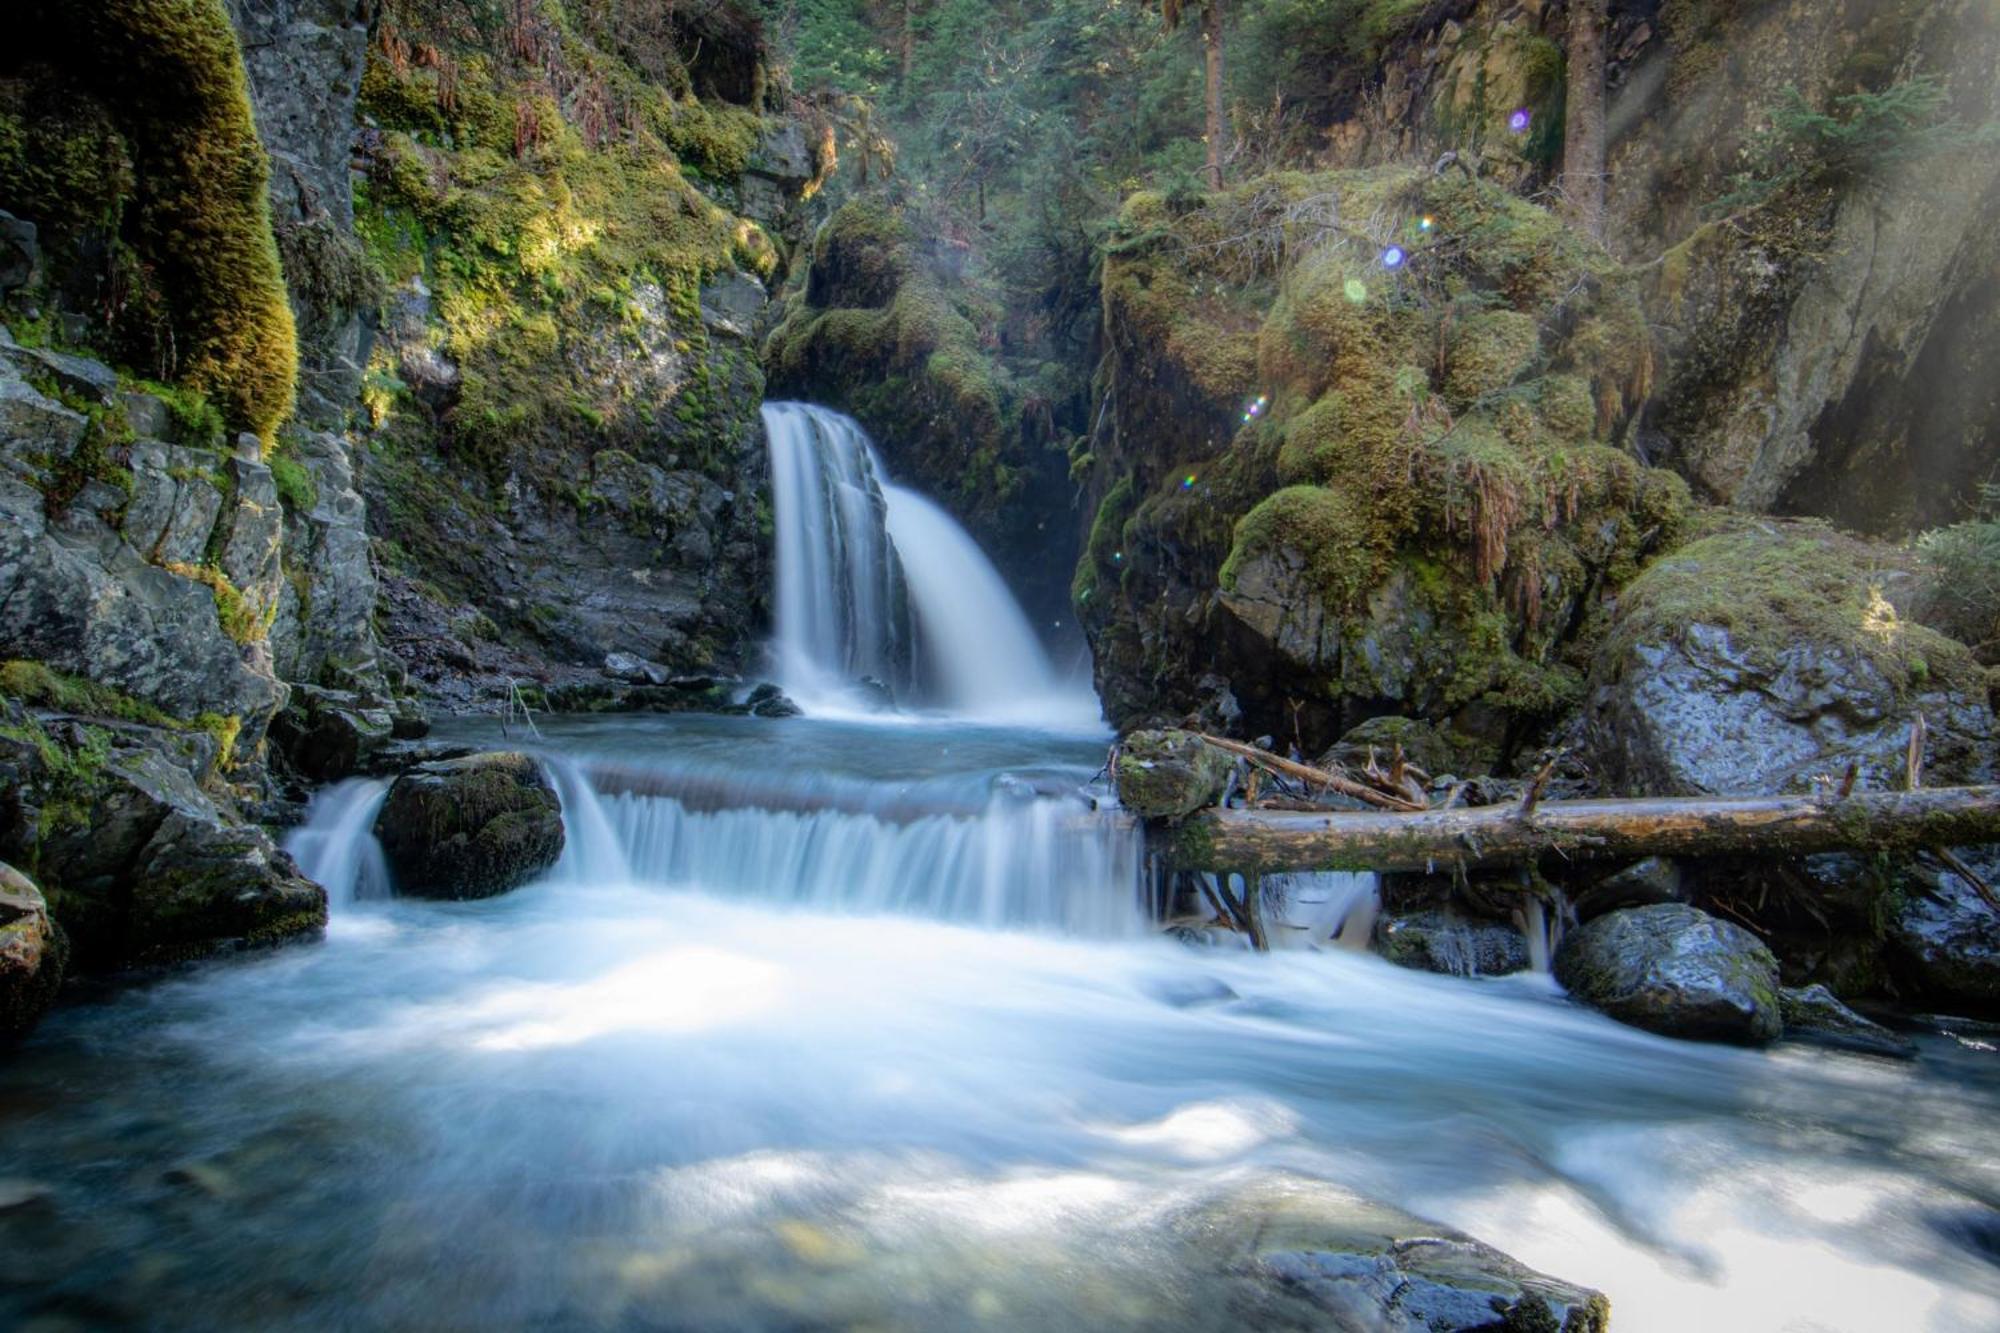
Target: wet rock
{"x":149,"y":867}
{"x":1657,"y":879}
{"x":1759,"y":659}
{"x":328,"y":735}
{"x":76,"y":375}
{"x":769,"y":701}
{"x":1675,"y":970}
{"x":1814,"y":1014}
{"x":1169,"y":774}
{"x":1365,"y":1265}
{"x":1944,"y":941}
{"x":470,"y":828}
{"x":33,"y":954}
{"x":1451,"y":944}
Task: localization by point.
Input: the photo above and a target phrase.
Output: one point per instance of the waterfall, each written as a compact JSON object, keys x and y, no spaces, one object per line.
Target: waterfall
{"x":592,"y":852}
{"x":862,"y":561}
{"x":336,"y":846}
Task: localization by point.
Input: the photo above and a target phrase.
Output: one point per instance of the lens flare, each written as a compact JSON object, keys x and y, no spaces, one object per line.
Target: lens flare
{"x":1393,"y":257}
{"x":1357,"y":291}
{"x":1187,"y":482}
{"x":1521,"y":120}
{"x":1425,"y":223}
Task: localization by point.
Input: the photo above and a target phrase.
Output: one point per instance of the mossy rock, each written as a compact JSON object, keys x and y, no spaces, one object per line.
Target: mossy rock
{"x":470,"y":828}
{"x":170,"y":77}
{"x":1169,"y":774}
{"x":33,"y":954}
{"x":1675,"y":970}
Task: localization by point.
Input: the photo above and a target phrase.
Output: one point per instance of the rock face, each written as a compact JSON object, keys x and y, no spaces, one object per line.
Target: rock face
{"x":1360,"y":1265}
{"x":1762,"y":657}
{"x":142,"y":865}
{"x":1675,"y":970}
{"x":1815,"y":1014}
{"x":470,"y":828}
{"x":1944,"y":942}
{"x":1169,"y":774}
{"x":33,"y":952}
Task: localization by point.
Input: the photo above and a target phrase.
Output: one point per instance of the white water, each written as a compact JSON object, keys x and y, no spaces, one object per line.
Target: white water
{"x":860,"y":559}
{"x":336,"y":846}
{"x":734,"y":1090}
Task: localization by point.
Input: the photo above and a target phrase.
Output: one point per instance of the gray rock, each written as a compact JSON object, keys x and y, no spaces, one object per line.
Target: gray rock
{"x":78,"y":597}
{"x":1675,"y":970}
{"x":147,"y":414}
{"x":730,"y":304}
{"x":470,"y":828}
{"x":175,"y":502}
{"x":1657,"y":879}
{"x":1814,"y":1014}
{"x":636,"y":670}
{"x":332,"y":638}
{"x":33,"y":430}
{"x":33,"y":953}
{"x":78,"y":375}
{"x":1169,"y":774}
{"x":1360,"y":1265}
{"x":768,"y":700}
{"x":20,"y":252}
{"x":328,"y":735}
{"x":1944,"y":941}
{"x":1451,"y":944}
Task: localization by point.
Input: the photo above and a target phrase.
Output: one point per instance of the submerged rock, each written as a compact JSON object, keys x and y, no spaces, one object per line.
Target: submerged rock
{"x":33,"y":953}
{"x":1169,"y":774}
{"x":1369,"y":1266}
{"x":770,"y":701}
{"x":470,"y":828}
{"x":1944,"y":941}
{"x":1675,"y":970}
{"x":1451,"y":944}
{"x":1814,"y":1014}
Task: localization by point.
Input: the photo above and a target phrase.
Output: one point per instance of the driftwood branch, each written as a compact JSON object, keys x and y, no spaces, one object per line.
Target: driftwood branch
{"x":1267,"y":842}
{"x":1319,"y":777}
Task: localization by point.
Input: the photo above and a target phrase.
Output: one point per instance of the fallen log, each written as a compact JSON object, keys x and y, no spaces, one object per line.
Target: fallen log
{"x":1277,"y":842}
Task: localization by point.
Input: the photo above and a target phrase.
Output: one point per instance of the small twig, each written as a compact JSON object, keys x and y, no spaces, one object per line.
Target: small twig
{"x":1958,"y":867}
{"x":1533,"y":796}
{"x":1847,"y":783}
{"x":1317,"y":776}
{"x":1913,"y":761}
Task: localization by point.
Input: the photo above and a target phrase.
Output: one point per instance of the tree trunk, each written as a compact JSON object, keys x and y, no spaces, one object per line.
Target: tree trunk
{"x":1584,"y":147}
{"x":1252,"y":842}
{"x":1211,"y":40}
{"x":909,"y":38}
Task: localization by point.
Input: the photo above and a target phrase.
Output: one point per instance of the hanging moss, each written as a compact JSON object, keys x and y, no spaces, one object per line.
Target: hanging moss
{"x":171,"y":76}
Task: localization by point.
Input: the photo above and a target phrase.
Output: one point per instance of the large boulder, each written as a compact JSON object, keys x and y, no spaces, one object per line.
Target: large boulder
{"x":33,"y":952}
{"x":1169,"y":774}
{"x":141,"y":863}
{"x":331,"y":734}
{"x":1769,"y":654}
{"x":1944,"y":942}
{"x":1675,"y":970}
{"x":470,"y":828}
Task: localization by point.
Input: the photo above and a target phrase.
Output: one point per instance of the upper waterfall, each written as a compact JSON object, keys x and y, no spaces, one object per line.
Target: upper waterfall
{"x":875,"y":581}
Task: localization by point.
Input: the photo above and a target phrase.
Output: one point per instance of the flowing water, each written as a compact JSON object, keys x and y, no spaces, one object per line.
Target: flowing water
{"x":825,"y":1023}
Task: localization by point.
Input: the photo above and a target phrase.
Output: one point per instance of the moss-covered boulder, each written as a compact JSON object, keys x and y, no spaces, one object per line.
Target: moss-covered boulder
{"x":140,"y":862}
{"x":1768,"y":654}
{"x":1169,"y":774}
{"x":1355,"y":468}
{"x":33,"y":953}
{"x":1675,"y":970}
{"x":470,"y":828}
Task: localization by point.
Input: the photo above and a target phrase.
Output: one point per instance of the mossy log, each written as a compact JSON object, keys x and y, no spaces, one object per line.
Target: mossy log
{"x":1263,"y":841}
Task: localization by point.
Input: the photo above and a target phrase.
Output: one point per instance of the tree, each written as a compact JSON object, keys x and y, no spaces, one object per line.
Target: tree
{"x":1584,"y":147}
{"x":1211,"y":41}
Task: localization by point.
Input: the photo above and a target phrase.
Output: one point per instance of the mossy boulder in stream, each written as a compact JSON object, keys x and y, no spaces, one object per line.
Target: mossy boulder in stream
{"x":1169,"y":774}
{"x":470,"y":828}
{"x":1675,"y":970}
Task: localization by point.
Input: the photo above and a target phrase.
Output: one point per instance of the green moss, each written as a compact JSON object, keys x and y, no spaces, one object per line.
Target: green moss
{"x":296,"y":487}
{"x":1490,"y":351}
{"x":173,"y":79}
{"x":240,"y":619}
{"x":35,"y":683}
{"x":1328,"y":529}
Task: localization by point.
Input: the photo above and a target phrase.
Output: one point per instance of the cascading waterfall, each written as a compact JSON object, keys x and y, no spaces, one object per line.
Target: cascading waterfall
{"x":336,"y":846}
{"x":861,"y":562}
